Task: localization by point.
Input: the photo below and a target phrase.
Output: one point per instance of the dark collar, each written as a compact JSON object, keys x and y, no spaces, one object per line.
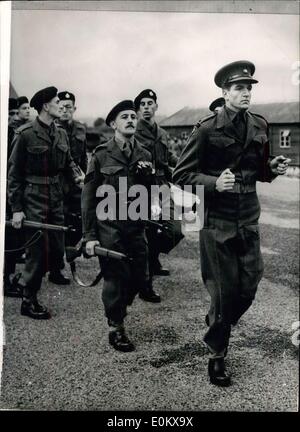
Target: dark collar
{"x":42,"y":124}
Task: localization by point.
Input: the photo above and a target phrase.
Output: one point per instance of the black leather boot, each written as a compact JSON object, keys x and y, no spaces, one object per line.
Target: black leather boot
{"x":32,"y":309}
{"x":158,"y":269}
{"x":148,"y":294}
{"x":119,"y":340}
{"x":217,"y":373}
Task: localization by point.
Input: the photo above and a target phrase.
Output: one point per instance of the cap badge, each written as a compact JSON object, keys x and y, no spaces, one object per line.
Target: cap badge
{"x":67,"y":95}
{"x":151,"y":93}
{"x":245,"y":71}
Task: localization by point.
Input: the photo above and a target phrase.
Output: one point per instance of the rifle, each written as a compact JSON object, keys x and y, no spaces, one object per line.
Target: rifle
{"x":39,"y":226}
{"x":73,"y":252}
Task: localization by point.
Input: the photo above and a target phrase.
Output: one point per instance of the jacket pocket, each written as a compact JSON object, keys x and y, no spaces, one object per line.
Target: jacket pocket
{"x":221,"y":141}
{"x":37,"y":158}
{"x":111,"y":175}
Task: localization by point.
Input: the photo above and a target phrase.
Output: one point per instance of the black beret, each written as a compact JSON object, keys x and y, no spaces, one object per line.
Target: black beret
{"x":148,"y":93}
{"x":43,"y":96}
{"x":22,"y":100}
{"x":217,"y":103}
{"x":12,"y":104}
{"x":121,"y":106}
{"x":241,"y":70}
{"x":65,"y":95}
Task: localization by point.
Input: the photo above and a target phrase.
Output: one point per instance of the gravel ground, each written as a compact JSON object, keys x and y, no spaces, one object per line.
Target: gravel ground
{"x":66,"y":363}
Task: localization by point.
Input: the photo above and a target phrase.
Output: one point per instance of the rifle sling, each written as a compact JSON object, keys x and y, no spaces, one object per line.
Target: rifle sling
{"x":36,"y":236}
{"x":79,"y":281}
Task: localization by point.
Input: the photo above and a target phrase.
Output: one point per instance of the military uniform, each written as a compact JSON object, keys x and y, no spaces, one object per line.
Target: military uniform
{"x":122,"y":280}
{"x":13,"y":240}
{"x":39,"y":157}
{"x":155,"y":140}
{"x":231,"y":261}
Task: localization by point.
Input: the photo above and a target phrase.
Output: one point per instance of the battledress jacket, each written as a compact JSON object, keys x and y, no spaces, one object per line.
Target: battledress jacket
{"x":215,"y":146}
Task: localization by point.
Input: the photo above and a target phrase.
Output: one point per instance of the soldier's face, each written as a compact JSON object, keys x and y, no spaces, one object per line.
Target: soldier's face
{"x":12,"y":116}
{"x":125,"y":123}
{"x":53,"y":108}
{"x":24,"y":111}
{"x":238,"y":96}
{"x":67,"y":109}
{"x":147,"y":108}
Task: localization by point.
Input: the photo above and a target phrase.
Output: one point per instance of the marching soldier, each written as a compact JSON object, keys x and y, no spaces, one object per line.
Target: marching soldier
{"x":112,"y":162}
{"x":76,"y":132}
{"x":155,"y":139}
{"x":12,"y":240}
{"x":228,"y":154}
{"x":40,"y":155}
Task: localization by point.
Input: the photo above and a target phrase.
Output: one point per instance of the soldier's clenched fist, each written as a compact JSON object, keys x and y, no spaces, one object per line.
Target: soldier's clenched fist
{"x":225,"y":181}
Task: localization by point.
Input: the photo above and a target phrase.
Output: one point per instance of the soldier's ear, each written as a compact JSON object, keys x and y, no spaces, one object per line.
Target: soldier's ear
{"x":113,"y":125}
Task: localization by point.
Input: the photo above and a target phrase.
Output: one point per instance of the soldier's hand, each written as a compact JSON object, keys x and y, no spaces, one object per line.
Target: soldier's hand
{"x":17,"y":219}
{"x":90,"y":247}
{"x":225,"y":181}
{"x":279,"y":165}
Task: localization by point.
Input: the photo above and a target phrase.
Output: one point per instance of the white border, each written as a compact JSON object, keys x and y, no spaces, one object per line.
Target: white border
{"x":5,"y":25}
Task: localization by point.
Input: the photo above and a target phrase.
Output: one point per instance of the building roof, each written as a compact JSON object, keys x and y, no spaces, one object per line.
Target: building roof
{"x":287,"y":112}
{"x":12,"y":91}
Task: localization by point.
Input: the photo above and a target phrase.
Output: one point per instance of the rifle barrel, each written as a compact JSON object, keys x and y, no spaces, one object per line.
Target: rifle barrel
{"x":40,"y":226}
{"x":101,"y":251}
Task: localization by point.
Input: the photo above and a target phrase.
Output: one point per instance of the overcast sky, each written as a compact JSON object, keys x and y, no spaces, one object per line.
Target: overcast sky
{"x":104,"y":57}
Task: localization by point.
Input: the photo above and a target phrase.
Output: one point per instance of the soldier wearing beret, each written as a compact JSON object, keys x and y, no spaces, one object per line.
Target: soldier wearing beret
{"x":155,"y":139}
{"x":23,"y":110}
{"x":76,"y":132}
{"x":217,"y":104}
{"x":214,"y":107}
{"x":112,"y":162}
{"x":39,"y":157}
{"x":12,"y":240}
{"x":12,"y":111}
{"x":228,"y":154}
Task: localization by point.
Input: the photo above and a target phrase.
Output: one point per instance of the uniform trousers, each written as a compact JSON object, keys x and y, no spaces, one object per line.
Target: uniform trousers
{"x":123,"y":279}
{"x":231,"y":261}
{"x":42,"y":203}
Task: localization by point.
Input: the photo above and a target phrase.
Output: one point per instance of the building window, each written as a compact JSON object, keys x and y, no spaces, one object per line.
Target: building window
{"x":285,"y":138}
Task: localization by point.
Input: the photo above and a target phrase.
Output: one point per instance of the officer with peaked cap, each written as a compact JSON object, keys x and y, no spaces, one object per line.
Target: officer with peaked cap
{"x":114,"y":164}
{"x":76,"y":132}
{"x":39,"y":158}
{"x":155,"y":139}
{"x":228,"y":154}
